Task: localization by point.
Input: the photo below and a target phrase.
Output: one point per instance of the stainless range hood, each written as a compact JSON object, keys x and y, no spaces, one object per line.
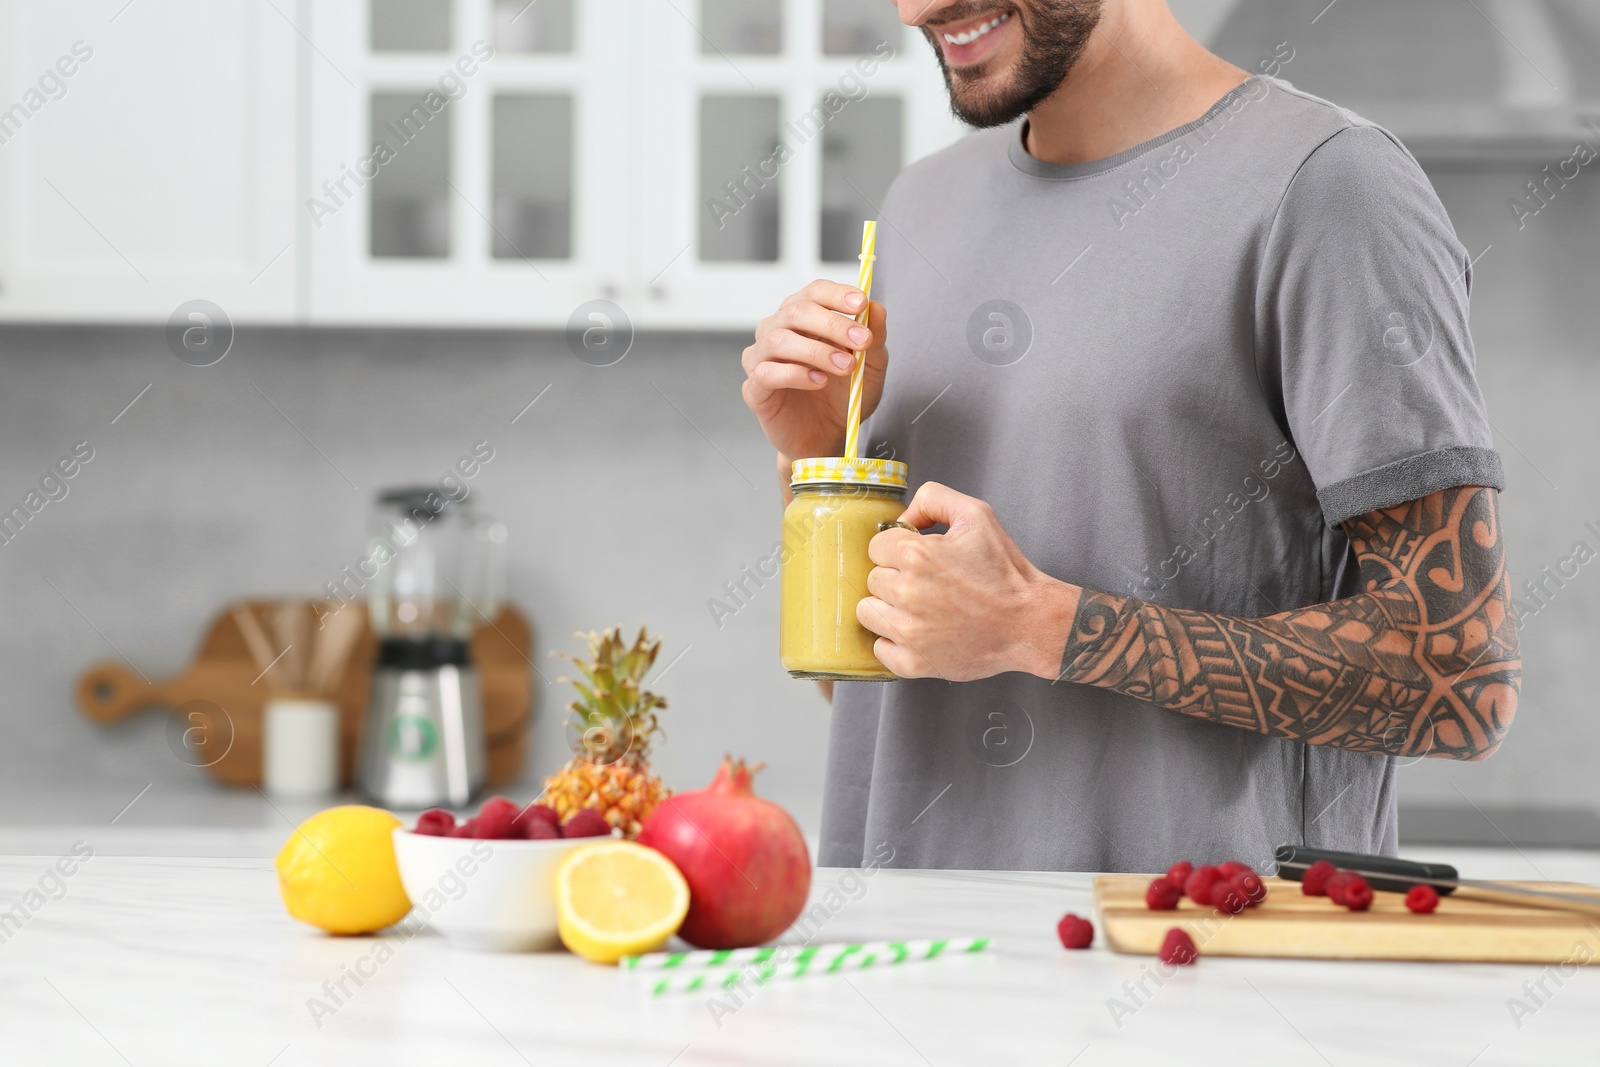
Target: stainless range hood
{"x":1465,"y":79}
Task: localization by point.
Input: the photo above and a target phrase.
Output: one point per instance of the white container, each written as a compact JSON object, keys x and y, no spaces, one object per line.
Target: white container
{"x":492,"y":896}
{"x":300,"y":747}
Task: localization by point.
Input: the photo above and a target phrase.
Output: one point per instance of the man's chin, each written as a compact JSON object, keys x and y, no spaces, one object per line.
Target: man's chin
{"x":977,"y":103}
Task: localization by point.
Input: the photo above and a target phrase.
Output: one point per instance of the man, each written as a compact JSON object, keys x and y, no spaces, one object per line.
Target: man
{"x":1181,"y":366}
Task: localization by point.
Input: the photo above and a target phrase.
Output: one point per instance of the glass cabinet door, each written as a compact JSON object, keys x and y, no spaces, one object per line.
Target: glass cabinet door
{"x":775,"y":128}
{"x":408,"y":25}
{"x":470,"y":159}
{"x":505,"y":161}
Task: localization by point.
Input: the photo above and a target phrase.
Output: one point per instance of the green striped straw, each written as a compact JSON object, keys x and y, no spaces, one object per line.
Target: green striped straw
{"x":711,"y":971}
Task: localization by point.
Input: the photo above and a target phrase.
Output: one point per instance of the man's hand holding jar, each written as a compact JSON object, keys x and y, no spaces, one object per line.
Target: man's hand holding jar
{"x":945,"y":606}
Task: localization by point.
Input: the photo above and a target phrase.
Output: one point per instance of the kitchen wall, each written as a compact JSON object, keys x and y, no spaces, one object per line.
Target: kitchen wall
{"x":632,"y":493}
{"x":1533,"y":319}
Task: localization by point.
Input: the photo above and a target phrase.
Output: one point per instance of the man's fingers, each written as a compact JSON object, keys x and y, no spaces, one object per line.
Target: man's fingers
{"x":769,"y":378}
{"x":935,"y":503}
{"x":881,"y":618}
{"x":753,"y":354}
{"x":836,"y":296}
{"x":814,"y":320}
{"x":886,"y":548}
{"x":885,"y":583}
{"x":791,"y":347}
{"x":903,"y":662}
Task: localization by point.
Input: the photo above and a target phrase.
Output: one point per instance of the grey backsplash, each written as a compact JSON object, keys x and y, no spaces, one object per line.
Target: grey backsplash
{"x":632,"y":493}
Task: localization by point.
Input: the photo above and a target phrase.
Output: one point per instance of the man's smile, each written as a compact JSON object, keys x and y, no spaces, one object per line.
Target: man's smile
{"x":973,"y":40}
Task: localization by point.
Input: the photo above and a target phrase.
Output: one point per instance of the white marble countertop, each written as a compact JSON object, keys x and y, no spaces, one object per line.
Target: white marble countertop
{"x":173,"y":961}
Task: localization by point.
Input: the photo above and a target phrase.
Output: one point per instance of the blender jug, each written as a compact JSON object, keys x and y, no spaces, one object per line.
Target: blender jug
{"x":440,"y":573}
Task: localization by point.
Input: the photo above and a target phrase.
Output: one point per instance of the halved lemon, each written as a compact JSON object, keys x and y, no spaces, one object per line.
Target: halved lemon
{"x":618,"y":899}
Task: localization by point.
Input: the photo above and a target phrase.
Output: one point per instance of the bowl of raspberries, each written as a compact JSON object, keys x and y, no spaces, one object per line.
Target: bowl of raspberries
{"x":487,"y":882}
{"x":501,"y":820}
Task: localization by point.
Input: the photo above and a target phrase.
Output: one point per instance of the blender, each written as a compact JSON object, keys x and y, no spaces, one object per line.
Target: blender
{"x":440,"y":570}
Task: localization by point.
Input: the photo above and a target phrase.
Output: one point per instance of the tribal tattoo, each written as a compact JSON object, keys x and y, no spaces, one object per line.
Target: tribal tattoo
{"x":1423,"y":662}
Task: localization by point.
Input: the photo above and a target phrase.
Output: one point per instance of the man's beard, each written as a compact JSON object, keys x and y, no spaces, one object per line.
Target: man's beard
{"x":1054,"y":33}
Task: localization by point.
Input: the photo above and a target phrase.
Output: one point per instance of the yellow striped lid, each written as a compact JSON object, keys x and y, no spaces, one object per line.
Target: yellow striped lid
{"x":836,"y":470}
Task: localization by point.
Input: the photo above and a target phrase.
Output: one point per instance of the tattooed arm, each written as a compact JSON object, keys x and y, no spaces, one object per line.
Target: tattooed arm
{"x":1422,"y":662}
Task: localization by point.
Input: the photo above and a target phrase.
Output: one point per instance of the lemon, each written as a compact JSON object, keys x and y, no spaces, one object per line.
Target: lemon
{"x":337,"y":871}
{"x":618,"y":899}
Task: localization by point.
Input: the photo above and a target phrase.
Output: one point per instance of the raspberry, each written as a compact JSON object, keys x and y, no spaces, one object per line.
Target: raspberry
{"x":1198,"y":887}
{"x":1250,"y":886}
{"x":1232,"y":867}
{"x":469,"y":828}
{"x":494,"y":819}
{"x":435,"y":822}
{"x":587,"y":822}
{"x":1178,"y":874}
{"x":1358,"y":895}
{"x":1162,"y":895}
{"x":540,"y":830}
{"x":1178,"y":948}
{"x":535,"y":813}
{"x":1075,"y":932}
{"x":1422,"y":899}
{"x":1314,"y":883}
{"x":1228,"y":898}
{"x":1340,"y":884}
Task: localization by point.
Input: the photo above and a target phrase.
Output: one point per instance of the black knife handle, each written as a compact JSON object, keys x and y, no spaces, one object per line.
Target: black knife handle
{"x":1294,"y":859}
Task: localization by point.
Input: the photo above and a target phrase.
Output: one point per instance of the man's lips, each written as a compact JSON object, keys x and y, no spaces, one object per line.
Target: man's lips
{"x":972,"y":40}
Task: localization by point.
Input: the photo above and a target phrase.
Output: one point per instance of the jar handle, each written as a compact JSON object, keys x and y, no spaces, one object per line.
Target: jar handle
{"x":882,"y":526}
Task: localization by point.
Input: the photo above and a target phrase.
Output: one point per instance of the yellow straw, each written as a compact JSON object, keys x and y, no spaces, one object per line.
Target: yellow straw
{"x":869,"y":240}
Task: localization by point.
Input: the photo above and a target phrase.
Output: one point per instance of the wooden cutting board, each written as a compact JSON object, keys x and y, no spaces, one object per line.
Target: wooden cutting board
{"x":219,"y":701}
{"x":1290,"y":924}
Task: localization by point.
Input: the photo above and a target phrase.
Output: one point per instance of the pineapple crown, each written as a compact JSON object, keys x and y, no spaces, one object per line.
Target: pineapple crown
{"x":614,"y":716}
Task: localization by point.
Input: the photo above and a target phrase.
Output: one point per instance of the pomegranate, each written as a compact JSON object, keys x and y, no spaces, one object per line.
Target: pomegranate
{"x":745,"y":861}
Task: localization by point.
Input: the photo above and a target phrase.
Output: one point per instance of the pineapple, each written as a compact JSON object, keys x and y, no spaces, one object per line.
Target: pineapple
{"x":615,"y":720}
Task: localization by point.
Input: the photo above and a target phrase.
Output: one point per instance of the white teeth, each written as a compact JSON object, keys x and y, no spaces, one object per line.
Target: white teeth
{"x":973,"y":34}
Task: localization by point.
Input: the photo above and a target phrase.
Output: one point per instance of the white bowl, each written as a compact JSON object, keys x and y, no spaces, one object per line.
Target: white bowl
{"x":491,"y":896}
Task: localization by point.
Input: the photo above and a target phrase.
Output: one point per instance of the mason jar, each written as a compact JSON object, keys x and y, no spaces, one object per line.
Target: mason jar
{"x":839,"y":506}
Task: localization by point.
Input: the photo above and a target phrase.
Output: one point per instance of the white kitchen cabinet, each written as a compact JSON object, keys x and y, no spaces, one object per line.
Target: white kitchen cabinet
{"x":582,"y":160}
{"x":774,"y":129}
{"x":146,"y":158}
{"x":448,"y":162}
{"x":472,"y":161}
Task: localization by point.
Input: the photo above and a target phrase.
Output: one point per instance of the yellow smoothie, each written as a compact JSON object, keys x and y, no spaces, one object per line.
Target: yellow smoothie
{"x":825,"y":534}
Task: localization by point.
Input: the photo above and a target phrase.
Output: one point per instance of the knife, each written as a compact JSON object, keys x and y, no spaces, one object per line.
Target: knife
{"x":1393,"y":875}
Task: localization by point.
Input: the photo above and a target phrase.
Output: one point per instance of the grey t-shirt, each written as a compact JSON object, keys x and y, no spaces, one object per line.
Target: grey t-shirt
{"x":1173,"y":373}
